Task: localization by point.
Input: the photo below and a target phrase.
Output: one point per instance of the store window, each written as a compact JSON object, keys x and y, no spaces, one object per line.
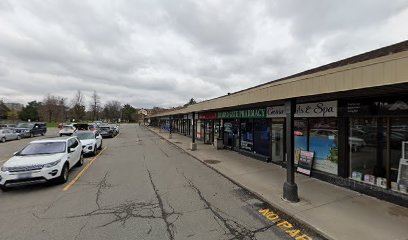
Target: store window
{"x":300,"y":135}
{"x":262,"y":137}
{"x":247,"y":139}
{"x":323,"y":141}
{"x":367,"y":149}
{"x":398,"y":135}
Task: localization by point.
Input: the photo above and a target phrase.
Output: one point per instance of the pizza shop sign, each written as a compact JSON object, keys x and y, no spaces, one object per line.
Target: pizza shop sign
{"x":316,"y":109}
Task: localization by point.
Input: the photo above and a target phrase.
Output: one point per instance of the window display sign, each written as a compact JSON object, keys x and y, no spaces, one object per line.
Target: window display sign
{"x":403,"y":175}
{"x":247,"y":113}
{"x":305,"y":162}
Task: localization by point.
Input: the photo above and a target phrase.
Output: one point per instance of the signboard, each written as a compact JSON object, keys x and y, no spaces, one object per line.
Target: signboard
{"x":275,"y":112}
{"x":305,"y":162}
{"x":317,"y":109}
{"x":207,"y":115}
{"x":247,"y":113}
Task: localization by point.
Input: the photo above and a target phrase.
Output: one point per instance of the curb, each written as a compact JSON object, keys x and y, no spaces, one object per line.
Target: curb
{"x":247,"y":189}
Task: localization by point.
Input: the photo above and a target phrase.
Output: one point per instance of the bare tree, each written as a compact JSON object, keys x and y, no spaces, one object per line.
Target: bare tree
{"x":52,"y":108}
{"x":95,"y":105}
{"x":112,"y":110}
{"x":78,"y":107}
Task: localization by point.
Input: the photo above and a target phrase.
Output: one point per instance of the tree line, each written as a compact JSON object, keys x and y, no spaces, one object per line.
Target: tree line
{"x":58,"y":109}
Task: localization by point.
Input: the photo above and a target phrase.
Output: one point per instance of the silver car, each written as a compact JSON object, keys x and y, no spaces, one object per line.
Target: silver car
{"x":8,"y":134}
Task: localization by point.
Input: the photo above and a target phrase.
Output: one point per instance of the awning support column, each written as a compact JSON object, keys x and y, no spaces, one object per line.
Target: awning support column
{"x":290,"y":189}
{"x":193,"y":145}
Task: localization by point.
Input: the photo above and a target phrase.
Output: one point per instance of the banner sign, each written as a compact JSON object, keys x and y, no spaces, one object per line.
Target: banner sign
{"x":305,"y":162}
{"x":207,"y":115}
{"x":248,"y":113}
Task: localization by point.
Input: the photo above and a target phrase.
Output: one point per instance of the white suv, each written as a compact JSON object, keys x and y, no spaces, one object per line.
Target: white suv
{"x":42,"y":161}
{"x":91,"y":141}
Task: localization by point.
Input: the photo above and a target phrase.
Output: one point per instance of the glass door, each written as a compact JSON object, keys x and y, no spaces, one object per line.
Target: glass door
{"x":278,"y":141}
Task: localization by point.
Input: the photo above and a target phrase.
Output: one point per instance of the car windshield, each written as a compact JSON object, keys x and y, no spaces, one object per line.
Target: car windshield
{"x":25,"y":125}
{"x":84,"y":135}
{"x":68,"y":127}
{"x":43,"y":148}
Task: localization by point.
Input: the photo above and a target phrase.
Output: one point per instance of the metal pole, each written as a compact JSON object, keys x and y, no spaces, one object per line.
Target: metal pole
{"x":194,"y":131}
{"x":290,"y":189}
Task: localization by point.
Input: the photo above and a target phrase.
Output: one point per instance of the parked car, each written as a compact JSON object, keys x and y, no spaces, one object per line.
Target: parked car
{"x":46,"y":160}
{"x":106,"y":131}
{"x":92,"y":126}
{"x":81,"y":126}
{"x":7,"y":125}
{"x":9,"y":134}
{"x":67,"y":130}
{"x":91,"y":141}
{"x":115,"y":128}
{"x":28,"y":129}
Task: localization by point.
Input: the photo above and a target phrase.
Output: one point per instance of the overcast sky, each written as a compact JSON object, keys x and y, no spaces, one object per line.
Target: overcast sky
{"x":164,"y":52}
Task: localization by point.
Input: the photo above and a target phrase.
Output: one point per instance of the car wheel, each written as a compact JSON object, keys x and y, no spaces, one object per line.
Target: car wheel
{"x":63,"y":178}
{"x":81,"y":161}
{"x":4,"y":188}
{"x":18,"y":137}
{"x":100,"y":146}
{"x":3,"y":140}
{"x":60,"y":135}
{"x":42,"y":134}
{"x":31,"y":135}
{"x":94,"y":151}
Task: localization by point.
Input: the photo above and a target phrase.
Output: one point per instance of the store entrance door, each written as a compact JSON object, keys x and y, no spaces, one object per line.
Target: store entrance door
{"x":208,"y":132}
{"x":278,"y":142}
{"x":231,"y":134}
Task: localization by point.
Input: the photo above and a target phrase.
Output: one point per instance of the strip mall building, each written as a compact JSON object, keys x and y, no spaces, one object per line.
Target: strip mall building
{"x":352,"y":114}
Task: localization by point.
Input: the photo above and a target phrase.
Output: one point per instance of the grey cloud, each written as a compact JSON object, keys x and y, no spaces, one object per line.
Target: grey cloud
{"x":162,"y":53}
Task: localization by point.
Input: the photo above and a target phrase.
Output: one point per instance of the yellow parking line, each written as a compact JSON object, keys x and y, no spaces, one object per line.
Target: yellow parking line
{"x":83,"y":171}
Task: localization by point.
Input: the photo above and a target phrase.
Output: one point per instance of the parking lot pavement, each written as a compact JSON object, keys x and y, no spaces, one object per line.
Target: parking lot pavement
{"x":141,"y":187}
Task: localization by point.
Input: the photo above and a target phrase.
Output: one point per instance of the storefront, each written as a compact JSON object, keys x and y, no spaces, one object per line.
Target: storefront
{"x":246,"y":130}
{"x":377,"y":129}
{"x":208,"y":122}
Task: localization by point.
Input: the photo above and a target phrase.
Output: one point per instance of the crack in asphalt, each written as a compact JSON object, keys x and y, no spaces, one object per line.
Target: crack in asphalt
{"x":80,"y":231}
{"x":231,"y":226}
{"x":103,"y":184}
{"x":164,"y":214}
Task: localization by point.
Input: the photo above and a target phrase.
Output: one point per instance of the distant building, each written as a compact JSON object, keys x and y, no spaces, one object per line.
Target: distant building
{"x":3,"y":110}
{"x":16,"y":107}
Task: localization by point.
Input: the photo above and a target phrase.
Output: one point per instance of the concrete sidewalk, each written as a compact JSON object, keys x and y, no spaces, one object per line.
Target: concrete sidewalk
{"x":336,"y":212}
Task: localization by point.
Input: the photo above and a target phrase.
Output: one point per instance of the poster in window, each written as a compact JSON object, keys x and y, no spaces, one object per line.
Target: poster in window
{"x":305,"y":162}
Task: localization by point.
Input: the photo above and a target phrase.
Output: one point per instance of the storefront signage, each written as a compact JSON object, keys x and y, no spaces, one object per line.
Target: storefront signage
{"x":305,"y":162}
{"x":207,"y":115}
{"x":275,"y":112}
{"x":317,"y":109}
{"x":248,"y":113}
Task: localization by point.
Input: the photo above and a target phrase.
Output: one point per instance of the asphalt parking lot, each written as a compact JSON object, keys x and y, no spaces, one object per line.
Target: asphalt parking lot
{"x":138,"y":187}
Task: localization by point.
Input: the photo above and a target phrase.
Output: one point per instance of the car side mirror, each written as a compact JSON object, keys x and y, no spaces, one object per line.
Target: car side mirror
{"x":70,"y":150}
